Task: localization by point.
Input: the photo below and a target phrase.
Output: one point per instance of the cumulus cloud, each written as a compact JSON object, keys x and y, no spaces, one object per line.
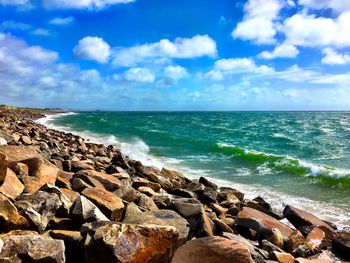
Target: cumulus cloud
{"x":139,"y":75}
{"x":62,"y":21}
{"x":258,"y":24}
{"x":332,"y":57}
{"x":175,"y":72}
{"x":197,"y":46}
{"x":336,"y":5}
{"x":284,"y":50}
{"x":311,"y":31}
{"x":92,"y":48}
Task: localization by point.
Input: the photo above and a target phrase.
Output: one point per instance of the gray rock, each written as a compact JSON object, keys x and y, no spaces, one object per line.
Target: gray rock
{"x":86,"y":211}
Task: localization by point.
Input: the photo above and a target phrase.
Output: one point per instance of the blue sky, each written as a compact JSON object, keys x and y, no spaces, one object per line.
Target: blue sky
{"x":176,"y":55}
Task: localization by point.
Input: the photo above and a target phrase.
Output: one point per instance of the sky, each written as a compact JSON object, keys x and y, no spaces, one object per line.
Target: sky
{"x":175,"y":54}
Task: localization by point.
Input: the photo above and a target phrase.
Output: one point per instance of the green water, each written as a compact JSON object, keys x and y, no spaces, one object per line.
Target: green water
{"x":302,"y":158}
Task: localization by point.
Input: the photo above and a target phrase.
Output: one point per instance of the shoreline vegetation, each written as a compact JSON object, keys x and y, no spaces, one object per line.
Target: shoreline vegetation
{"x":63,"y":199}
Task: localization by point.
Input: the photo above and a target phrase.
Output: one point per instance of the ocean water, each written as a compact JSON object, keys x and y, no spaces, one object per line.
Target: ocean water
{"x":297,"y":158}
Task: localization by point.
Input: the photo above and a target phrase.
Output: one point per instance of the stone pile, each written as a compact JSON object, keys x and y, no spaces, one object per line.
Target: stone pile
{"x":63,"y":199}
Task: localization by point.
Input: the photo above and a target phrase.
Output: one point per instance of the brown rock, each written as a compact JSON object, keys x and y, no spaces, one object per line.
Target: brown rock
{"x":41,"y":172}
{"x":17,"y":154}
{"x":73,"y":243}
{"x":261,"y":222}
{"x":207,"y":183}
{"x":164,"y":182}
{"x":111,"y":205}
{"x":9,"y":216}
{"x":144,"y":182}
{"x":175,"y":177}
{"x":80,"y":165}
{"x":79,"y":185}
{"x":222,"y":226}
{"x":129,"y":243}
{"x":281,"y":257}
{"x":300,"y":218}
{"x":212,"y":250}
{"x":109,"y":182}
{"x":147,"y":191}
{"x":227,"y":193}
{"x":71,"y":195}
{"x":146,"y":203}
{"x":304,"y":260}
{"x":314,"y":240}
{"x":3,"y":166}
{"x":295,"y":240}
{"x":31,"y":247}
{"x":11,"y":187}
{"x":341,"y":245}
{"x":26,"y":140}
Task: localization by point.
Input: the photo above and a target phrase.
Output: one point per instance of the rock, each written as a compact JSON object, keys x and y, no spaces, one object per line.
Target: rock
{"x":85,"y":211}
{"x":206,"y":226}
{"x":212,"y":250}
{"x":222,"y":226}
{"x":73,"y":243}
{"x":314,"y":240}
{"x":30,"y":247}
{"x":6,"y":137}
{"x":269,"y":247}
{"x":79,"y":185}
{"x":261,"y":222}
{"x":26,"y":140}
{"x":146,"y":203}
{"x":3,"y":167}
{"x":38,"y":208}
{"x":295,"y":240}
{"x":164,"y":182}
{"x":341,"y":245}
{"x":176,"y":178}
{"x":260,"y":208}
{"x":227,"y":193}
{"x":147,"y":191}
{"x":219,"y":210}
{"x":162,"y":218}
{"x":207,"y":183}
{"x":9,"y":217}
{"x":132,"y":210}
{"x":241,"y":240}
{"x":275,"y":237}
{"x":281,"y":257}
{"x":2,"y":141}
{"x":111,"y":205}
{"x":139,"y":183}
{"x":300,"y":218}
{"x":127,"y":193}
{"x":41,"y":172}
{"x":17,"y":154}
{"x":77,"y":166}
{"x":209,"y":195}
{"x":108,"y":181}
{"x":304,"y":260}
{"x":182,"y":193}
{"x":118,"y":242}
{"x":11,"y":187}
{"x":70,"y":194}
{"x":66,"y":202}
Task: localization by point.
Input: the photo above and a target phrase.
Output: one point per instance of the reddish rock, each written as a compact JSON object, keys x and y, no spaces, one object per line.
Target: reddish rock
{"x":26,"y":140}
{"x":3,"y":167}
{"x":212,"y":250}
{"x":295,"y":240}
{"x":109,"y":182}
{"x":175,"y":177}
{"x":300,"y":218}
{"x":17,"y":154}
{"x":129,"y":243}
{"x":11,"y":187}
{"x":111,"y":205}
{"x":281,"y":257}
{"x":314,"y":240}
{"x":261,"y":222}
{"x":70,"y":194}
{"x":81,"y":165}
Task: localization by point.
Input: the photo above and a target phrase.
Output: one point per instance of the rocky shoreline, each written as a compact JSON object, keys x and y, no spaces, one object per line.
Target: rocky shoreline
{"x":67,"y":200}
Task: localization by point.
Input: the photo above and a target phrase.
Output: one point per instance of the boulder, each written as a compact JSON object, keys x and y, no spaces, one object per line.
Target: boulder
{"x":73,"y":242}
{"x":301,"y":218}
{"x":175,"y":177}
{"x":341,"y":245}
{"x":209,"y":195}
{"x":77,"y":166}
{"x":262,"y":223}
{"x":162,"y":218}
{"x":281,"y":257}
{"x":212,"y":250}
{"x":85,"y":211}
{"x":305,"y":260}
{"x":11,"y":186}
{"x":17,"y":154}
{"x":38,"y":208}
{"x":207,"y":183}
{"x":146,"y":203}
{"x":41,"y":172}
{"x":27,"y":246}
{"x":228,"y":193}
{"x":315,"y":239}
{"x":3,"y":166}
{"x":164,"y":182}
{"x":108,"y":181}
{"x":111,"y":205}
{"x":66,"y":202}
{"x":295,"y":240}
{"x":9,"y":216}
{"x":118,"y":242}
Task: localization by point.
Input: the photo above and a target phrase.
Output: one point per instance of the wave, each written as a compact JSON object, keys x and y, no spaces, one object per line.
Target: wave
{"x":327,"y":174}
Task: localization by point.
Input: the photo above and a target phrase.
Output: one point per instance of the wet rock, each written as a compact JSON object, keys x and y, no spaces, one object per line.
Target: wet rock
{"x":300,"y":218}
{"x":9,"y":217}
{"x":11,"y":187}
{"x":260,"y":222}
{"x":118,"y":242}
{"x":314,"y":240}
{"x":85,"y":211}
{"x":25,"y":246}
{"x":341,"y":245}
{"x":212,"y":250}
{"x":162,"y":218}
{"x":38,"y":208}
{"x":108,"y":181}
{"x":41,"y":172}
{"x":207,"y":183}
{"x":111,"y":205}
{"x":281,"y":257}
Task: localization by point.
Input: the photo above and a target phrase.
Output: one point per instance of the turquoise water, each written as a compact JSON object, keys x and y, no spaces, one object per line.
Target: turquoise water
{"x":295,"y":157}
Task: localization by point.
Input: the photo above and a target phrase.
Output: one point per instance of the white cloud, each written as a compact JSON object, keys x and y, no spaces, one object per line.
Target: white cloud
{"x":175,"y":72}
{"x":284,"y":50}
{"x":82,"y":4}
{"x":10,"y":24}
{"x":39,"y":54}
{"x":41,"y":32}
{"x":139,"y":75}
{"x":62,"y":21}
{"x":259,"y":21}
{"x":332,"y":57}
{"x":337,"y":5}
{"x":13,"y":2}
{"x":197,"y":46}
{"x":92,"y":48}
{"x":311,"y":31}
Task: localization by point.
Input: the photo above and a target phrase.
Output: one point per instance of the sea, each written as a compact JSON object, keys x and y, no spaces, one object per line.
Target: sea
{"x":295,"y":158}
